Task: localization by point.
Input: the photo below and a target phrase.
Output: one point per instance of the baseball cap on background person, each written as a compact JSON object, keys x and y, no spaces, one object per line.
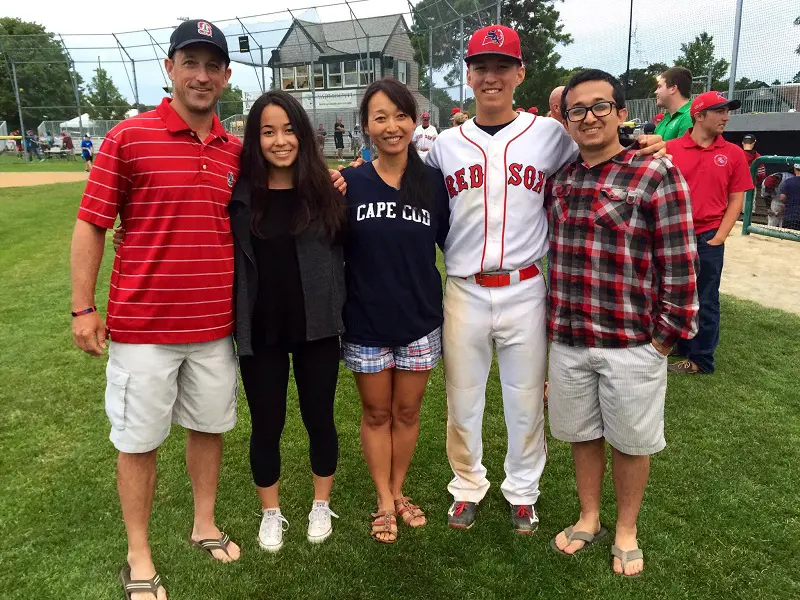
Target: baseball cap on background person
{"x":494,"y":39}
{"x":712,"y":100}
{"x":454,"y":111}
{"x":533,"y":110}
{"x":519,"y":109}
{"x":426,"y":115}
{"x":749,"y":138}
{"x":198,"y":31}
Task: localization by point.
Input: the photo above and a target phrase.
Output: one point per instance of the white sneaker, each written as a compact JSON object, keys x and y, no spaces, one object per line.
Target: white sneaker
{"x":320,"y":526}
{"x":270,"y":534}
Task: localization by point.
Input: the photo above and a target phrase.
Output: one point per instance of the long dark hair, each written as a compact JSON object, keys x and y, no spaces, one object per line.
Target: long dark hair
{"x":318,"y":202}
{"x":415,"y":189}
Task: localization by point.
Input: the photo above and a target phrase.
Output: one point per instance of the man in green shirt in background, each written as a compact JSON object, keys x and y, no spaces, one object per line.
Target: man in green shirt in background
{"x":673,"y":94}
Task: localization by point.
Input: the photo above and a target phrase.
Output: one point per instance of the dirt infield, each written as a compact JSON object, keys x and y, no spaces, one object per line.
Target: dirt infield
{"x":24,"y":179}
{"x":763,"y":269}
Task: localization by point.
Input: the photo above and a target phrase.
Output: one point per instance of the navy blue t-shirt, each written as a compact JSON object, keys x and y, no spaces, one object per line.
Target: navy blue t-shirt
{"x":394,"y":290}
{"x":791,"y":210}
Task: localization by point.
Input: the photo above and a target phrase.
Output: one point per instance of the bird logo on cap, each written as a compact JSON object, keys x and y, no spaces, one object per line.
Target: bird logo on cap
{"x":493,"y":36}
{"x":204,"y":28}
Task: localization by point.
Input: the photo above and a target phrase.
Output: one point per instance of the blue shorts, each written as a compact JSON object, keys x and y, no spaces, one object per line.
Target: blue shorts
{"x":420,"y":355}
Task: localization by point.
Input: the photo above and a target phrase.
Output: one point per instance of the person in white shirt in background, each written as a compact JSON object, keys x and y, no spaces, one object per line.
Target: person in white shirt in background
{"x":424,"y":136}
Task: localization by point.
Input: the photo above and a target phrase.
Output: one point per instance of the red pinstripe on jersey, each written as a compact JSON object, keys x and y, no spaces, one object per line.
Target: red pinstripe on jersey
{"x":485,"y":187}
{"x":172,"y":280}
{"x":505,"y":189}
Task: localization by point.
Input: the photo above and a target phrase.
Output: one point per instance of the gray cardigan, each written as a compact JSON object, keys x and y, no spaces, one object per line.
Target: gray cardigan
{"x":321,"y":275}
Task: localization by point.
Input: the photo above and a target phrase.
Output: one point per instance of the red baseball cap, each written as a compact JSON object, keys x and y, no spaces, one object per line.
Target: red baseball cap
{"x":494,"y":39}
{"x":533,"y":110}
{"x":712,"y":99}
{"x":426,"y":116}
{"x":520,"y":109}
{"x":455,"y":110}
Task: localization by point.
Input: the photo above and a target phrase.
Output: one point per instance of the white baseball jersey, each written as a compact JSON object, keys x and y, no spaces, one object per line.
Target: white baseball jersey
{"x":496,"y":186}
{"x":423,"y":139}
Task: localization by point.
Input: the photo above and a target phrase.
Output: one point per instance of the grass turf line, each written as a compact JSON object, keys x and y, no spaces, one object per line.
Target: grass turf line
{"x":720,"y":517}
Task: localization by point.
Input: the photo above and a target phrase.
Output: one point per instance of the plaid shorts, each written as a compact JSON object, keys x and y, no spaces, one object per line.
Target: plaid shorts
{"x":421,"y":355}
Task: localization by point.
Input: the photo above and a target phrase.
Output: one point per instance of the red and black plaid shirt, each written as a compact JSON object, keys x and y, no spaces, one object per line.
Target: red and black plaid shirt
{"x":622,"y":252}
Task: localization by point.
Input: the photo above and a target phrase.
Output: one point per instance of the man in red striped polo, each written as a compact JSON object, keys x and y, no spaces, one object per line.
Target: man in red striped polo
{"x":168,"y":173}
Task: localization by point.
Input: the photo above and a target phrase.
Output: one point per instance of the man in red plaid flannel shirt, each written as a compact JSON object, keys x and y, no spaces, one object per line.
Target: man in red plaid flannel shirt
{"x":622,"y":292}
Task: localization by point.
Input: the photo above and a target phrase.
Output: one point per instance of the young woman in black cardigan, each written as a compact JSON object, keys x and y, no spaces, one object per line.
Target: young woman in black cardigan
{"x":289,"y":291}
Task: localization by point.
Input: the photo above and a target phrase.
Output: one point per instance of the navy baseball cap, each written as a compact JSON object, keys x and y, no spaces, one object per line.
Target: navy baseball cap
{"x":198,"y":31}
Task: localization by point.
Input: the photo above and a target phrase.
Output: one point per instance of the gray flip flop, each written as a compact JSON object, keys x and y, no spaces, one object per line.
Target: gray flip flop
{"x":133,"y":586}
{"x":583,"y":536}
{"x":626,"y":556}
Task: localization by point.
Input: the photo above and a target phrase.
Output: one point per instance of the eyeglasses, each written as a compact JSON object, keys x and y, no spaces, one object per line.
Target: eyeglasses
{"x":601,"y":109}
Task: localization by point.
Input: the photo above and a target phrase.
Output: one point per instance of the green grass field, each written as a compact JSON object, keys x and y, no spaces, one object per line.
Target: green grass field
{"x":720,"y":518}
{"x":12,"y":164}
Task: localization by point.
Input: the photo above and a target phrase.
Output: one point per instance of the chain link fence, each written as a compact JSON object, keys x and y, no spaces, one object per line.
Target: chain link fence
{"x":56,"y":78}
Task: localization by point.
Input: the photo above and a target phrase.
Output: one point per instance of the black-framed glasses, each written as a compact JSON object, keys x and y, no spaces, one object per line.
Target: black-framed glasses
{"x":601,"y":109}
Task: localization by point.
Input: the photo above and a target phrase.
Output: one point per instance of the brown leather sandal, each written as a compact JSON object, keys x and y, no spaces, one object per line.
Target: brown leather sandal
{"x":134,"y":586}
{"x":208,"y":546}
{"x":408,"y":512}
{"x":385,"y":523}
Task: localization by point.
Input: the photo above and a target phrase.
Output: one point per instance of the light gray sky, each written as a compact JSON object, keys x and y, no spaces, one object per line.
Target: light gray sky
{"x":598,"y":28}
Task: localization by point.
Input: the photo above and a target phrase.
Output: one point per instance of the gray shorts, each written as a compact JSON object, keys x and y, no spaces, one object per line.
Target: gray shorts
{"x":615,"y":393}
{"x":151,"y":386}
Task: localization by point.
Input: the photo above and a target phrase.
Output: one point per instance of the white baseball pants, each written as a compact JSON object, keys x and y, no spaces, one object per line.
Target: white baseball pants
{"x":511,"y":319}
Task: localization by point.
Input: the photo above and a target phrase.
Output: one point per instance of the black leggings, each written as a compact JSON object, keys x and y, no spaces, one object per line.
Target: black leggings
{"x":266,"y":377}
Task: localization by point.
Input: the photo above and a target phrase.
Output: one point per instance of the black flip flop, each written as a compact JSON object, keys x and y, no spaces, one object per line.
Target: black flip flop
{"x":582,"y":536}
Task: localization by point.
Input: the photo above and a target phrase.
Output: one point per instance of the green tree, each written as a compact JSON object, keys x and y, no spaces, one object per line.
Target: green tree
{"x":536,"y":22}
{"x":642,"y":82}
{"x":440,"y":99}
{"x":104,"y":99}
{"x":42,"y":75}
{"x":795,"y":79}
{"x":698,"y":57}
{"x":231,"y":102}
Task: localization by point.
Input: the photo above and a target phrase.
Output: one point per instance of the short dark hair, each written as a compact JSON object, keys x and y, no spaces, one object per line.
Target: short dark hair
{"x":593,"y":75}
{"x":681,"y":77}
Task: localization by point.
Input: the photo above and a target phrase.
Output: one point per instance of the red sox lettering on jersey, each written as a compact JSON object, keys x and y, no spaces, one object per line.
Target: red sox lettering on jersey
{"x":496,"y":186}
{"x":472,"y":177}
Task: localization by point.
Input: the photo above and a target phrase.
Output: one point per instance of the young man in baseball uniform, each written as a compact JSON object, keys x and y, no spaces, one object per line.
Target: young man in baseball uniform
{"x":622,"y":292}
{"x":424,"y":136}
{"x":495,"y":167}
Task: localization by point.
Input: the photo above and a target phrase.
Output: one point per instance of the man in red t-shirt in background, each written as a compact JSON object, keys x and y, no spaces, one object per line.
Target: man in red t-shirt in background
{"x":718,"y":177}
{"x":169,"y":174}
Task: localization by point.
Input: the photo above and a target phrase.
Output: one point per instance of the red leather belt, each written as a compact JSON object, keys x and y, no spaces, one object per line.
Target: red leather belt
{"x":495,"y":280}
